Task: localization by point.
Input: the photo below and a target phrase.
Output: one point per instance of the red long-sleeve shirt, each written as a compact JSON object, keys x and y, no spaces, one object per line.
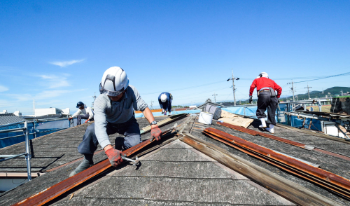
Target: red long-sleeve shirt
{"x":262,"y":82}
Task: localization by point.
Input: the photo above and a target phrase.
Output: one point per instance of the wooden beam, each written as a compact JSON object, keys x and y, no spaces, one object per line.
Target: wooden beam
{"x":275,"y":183}
{"x":336,"y":183}
{"x":64,"y":186}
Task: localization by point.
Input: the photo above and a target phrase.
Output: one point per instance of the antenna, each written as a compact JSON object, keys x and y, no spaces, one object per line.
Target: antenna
{"x":34,"y":106}
{"x":94,"y":97}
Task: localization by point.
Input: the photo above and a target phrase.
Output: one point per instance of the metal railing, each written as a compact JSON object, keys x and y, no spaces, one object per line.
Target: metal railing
{"x":26,"y":133}
{"x":27,"y":154}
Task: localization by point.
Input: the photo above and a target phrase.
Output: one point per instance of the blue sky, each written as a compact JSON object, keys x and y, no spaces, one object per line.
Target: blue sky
{"x":55,"y":52}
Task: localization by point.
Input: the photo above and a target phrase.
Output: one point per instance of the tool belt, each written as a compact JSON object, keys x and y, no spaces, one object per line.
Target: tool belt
{"x":267,"y":89}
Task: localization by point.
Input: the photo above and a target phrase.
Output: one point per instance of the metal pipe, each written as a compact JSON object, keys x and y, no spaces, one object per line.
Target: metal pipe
{"x":11,"y":156}
{"x":34,"y":132}
{"x":11,"y":130}
{"x":5,"y":125}
{"x":28,"y":156}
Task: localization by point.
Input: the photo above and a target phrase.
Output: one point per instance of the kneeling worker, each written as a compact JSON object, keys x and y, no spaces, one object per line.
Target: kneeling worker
{"x":165,"y":100}
{"x":83,"y":113}
{"x":114,"y":113}
{"x":266,"y":98}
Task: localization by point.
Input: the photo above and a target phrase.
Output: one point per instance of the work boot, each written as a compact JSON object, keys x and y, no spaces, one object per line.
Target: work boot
{"x":86,"y":163}
{"x":263,"y":123}
{"x":271,"y":129}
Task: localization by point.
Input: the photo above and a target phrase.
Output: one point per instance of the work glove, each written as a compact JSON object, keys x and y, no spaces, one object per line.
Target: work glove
{"x":155,"y":132}
{"x":250,"y":99}
{"x":114,"y":156}
{"x":86,"y":121}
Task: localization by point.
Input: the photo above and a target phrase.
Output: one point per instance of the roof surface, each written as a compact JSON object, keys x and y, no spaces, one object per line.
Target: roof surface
{"x":9,"y":119}
{"x":174,"y":174}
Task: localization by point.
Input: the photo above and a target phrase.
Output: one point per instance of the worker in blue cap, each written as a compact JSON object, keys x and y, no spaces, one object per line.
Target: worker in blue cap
{"x":83,"y":113}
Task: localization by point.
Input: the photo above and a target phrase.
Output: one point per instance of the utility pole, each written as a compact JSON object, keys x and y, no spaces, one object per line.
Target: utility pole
{"x":233,"y":88}
{"x":214,"y":97}
{"x":292,"y":88}
{"x":308,"y":91}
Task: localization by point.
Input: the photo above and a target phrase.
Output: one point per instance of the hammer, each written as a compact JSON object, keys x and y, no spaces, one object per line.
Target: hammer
{"x":135,"y":162}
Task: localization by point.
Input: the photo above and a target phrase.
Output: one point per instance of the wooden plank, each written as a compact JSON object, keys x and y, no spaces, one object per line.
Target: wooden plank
{"x":62,"y":187}
{"x":334,"y":182}
{"x":163,"y":122}
{"x":279,"y":185}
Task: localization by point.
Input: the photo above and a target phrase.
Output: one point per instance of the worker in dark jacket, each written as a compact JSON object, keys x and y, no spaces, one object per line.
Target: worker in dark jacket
{"x":165,"y":100}
{"x":267,"y":98}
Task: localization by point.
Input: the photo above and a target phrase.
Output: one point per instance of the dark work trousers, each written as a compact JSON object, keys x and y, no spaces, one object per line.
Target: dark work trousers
{"x":130,"y":129}
{"x":266,"y":101}
{"x":82,"y":116}
{"x":166,"y":105}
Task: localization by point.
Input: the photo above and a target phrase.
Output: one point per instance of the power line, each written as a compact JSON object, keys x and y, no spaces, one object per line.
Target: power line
{"x":318,"y":78}
{"x":347,"y":73}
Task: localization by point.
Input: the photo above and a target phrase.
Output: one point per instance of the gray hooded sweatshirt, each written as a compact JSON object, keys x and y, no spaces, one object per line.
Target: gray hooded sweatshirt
{"x":107,"y":111}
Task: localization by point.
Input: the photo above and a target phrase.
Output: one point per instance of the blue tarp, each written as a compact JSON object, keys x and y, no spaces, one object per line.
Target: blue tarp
{"x":246,"y":111}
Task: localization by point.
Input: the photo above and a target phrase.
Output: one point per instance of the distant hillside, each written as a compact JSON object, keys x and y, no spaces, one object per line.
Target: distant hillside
{"x":330,"y":92}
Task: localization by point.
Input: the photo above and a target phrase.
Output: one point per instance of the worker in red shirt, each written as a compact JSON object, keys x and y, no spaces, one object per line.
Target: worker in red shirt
{"x":267,"y":98}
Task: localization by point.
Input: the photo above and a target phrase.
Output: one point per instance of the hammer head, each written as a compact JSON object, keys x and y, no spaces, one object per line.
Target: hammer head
{"x":136,"y":161}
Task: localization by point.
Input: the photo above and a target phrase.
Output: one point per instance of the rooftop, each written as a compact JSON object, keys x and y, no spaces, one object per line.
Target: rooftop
{"x":175,"y":171}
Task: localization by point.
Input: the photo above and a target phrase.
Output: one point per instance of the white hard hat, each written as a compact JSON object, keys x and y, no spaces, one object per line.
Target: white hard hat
{"x":114,"y":81}
{"x":264,"y":74}
{"x":163,"y":97}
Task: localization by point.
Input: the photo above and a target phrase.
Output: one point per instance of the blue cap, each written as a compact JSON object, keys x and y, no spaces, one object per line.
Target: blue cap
{"x":79,"y":104}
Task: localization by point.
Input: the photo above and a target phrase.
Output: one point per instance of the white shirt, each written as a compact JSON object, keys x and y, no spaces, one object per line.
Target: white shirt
{"x":86,"y":110}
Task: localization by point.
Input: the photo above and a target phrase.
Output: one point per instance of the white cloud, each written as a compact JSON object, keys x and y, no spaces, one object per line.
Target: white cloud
{"x":66,"y":63}
{"x":45,"y":95}
{"x":3,"y":89}
{"x":54,"y":81}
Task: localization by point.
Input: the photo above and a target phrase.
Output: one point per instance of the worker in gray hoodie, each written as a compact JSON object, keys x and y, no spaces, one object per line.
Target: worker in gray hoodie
{"x":114,"y":113}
